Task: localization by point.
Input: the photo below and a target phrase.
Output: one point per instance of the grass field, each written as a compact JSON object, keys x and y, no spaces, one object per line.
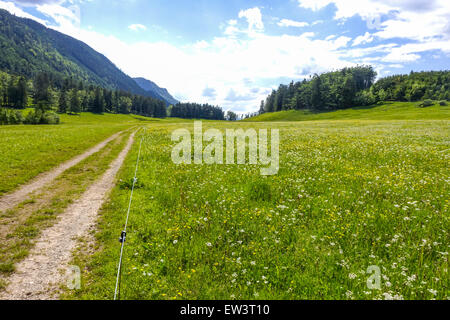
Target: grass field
{"x":350,"y":195}
{"x":22,"y":224}
{"x":388,"y":111}
{"x":26,"y":151}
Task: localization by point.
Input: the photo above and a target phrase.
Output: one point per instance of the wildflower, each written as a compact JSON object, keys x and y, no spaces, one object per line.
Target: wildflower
{"x":388,"y":296}
{"x":433,"y":292}
{"x":209,"y":244}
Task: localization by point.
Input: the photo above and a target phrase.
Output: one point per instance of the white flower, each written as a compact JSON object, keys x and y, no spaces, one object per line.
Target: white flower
{"x":388,"y":296}
{"x":175,"y":241}
{"x":253,"y":263}
{"x":209,"y":244}
{"x":433,"y":292}
{"x":352,"y":276}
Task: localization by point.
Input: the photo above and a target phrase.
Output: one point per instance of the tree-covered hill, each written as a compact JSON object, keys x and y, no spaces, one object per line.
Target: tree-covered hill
{"x":356,"y":86}
{"x":28,"y":48}
{"x":156,"y":91}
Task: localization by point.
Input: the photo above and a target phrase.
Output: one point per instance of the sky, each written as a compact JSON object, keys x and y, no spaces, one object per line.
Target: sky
{"x":232,"y":53}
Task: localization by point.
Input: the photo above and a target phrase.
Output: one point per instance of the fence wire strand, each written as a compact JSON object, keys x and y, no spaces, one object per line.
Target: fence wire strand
{"x":124,"y":232}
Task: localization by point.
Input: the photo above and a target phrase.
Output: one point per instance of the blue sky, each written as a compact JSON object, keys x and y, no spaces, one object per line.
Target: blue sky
{"x":233,"y":53}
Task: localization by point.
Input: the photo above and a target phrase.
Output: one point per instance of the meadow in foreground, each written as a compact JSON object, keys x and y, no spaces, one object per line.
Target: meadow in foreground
{"x":349,"y":195}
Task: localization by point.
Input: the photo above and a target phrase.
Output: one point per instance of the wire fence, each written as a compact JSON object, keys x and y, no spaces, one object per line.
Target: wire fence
{"x":123,"y":235}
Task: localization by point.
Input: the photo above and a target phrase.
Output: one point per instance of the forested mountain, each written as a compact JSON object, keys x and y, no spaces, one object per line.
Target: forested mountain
{"x":28,"y":48}
{"x":356,"y":86}
{"x":153,"y":88}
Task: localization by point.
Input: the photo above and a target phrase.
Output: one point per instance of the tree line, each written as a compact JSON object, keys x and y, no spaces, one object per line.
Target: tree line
{"x":196,"y":111}
{"x":48,"y":95}
{"x":350,"y":87}
{"x":417,"y":86}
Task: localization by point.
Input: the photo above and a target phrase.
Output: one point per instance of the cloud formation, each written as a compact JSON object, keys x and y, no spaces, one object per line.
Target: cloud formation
{"x":292,"y":23}
{"x":137,"y":27}
{"x":254,"y":19}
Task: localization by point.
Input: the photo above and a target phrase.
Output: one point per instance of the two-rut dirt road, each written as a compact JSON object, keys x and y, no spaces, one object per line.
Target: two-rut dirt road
{"x":12,"y":199}
{"x":39,"y":275}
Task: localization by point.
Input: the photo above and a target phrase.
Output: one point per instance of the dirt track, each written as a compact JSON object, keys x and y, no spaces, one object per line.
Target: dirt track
{"x":12,"y":199}
{"x":38,"y":276}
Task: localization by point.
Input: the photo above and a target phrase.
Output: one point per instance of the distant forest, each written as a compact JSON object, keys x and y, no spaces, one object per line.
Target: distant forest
{"x":48,"y":95}
{"x":196,"y":111}
{"x":356,"y":86}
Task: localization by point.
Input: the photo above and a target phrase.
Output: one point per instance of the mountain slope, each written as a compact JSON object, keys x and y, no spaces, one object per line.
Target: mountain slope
{"x":28,"y":47}
{"x":160,"y":93}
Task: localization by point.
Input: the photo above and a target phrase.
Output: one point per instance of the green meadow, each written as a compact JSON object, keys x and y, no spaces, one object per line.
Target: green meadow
{"x":351,"y":197}
{"x":26,"y":151}
{"x":386,"y":111}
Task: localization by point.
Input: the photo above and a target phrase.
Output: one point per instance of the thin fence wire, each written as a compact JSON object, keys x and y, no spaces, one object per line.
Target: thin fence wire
{"x":124,"y":232}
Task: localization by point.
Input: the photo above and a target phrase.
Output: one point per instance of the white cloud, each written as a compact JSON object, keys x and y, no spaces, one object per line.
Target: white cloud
{"x":137,"y":27}
{"x":366,"y":38}
{"x":397,"y":56}
{"x":254,"y":19}
{"x":369,"y":8}
{"x":413,"y":19}
{"x":292,"y":23}
{"x":63,"y":16}
{"x":410,"y":52}
{"x":9,"y":6}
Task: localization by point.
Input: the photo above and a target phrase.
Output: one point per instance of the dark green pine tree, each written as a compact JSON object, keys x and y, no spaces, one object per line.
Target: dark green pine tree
{"x":62,"y":104}
{"x":42,"y":96}
{"x":261,"y":108}
{"x":74,"y":105}
{"x":99,"y":101}
{"x":12,"y":94}
{"x":22,"y":93}
{"x":85,"y":103}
